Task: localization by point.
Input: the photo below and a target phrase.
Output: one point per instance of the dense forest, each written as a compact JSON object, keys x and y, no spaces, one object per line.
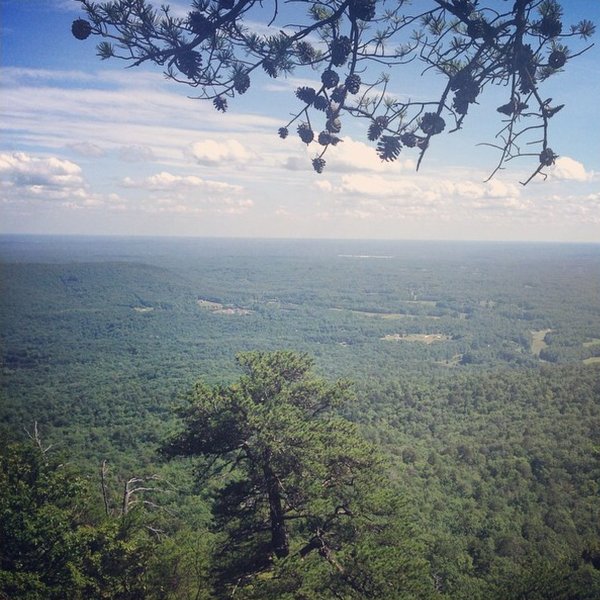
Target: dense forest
{"x":298,"y":419}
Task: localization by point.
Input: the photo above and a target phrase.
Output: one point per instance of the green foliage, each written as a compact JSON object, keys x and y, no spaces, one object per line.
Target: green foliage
{"x":503,"y":470}
{"x":52,"y":547}
{"x":299,"y":489}
{"x":41,"y":512}
{"x":493,"y":484}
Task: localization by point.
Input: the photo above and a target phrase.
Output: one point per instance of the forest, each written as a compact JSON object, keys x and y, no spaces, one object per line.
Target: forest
{"x":229,"y":418}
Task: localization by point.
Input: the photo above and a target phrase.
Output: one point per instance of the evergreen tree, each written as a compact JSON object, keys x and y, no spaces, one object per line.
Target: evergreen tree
{"x":303,"y":505}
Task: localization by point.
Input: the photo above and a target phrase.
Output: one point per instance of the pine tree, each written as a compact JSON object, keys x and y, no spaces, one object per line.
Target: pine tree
{"x":302,"y":502}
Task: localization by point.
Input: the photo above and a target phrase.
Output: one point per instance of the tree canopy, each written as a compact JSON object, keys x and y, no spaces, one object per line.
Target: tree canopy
{"x":355,"y":50}
{"x":302,"y":499}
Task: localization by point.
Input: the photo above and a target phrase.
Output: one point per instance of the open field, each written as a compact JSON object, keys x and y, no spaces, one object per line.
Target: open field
{"x":423,"y":338}
{"x":538,"y":341}
{"x":593,"y":360}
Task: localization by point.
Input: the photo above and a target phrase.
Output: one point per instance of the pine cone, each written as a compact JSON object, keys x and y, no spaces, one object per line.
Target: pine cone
{"x":305,"y":52}
{"x":334,"y":125}
{"x":340,"y":50}
{"x":321,"y":103}
{"x":306,"y":94}
{"x":352,"y":83}
{"x":524,"y":57}
{"x":241,"y":82}
{"x":324,"y":138}
{"x":363,"y":10}
{"x":376,"y":128}
{"x":189,"y":62}
{"x":557,"y":59}
{"x":339,"y":94}
{"x":81,"y":29}
{"x":547,"y":157}
{"x":220,"y":103}
{"x":374,"y":132}
{"x":460,"y":104}
{"x":463,"y":7}
{"x":466,"y":94}
{"x":318,"y":165}
{"x":389,"y":148}
{"x":269,"y":67}
{"x":469,"y":90}
{"x":549,"y":27}
{"x":306,"y":133}
{"x":432,"y":124}
{"x":514,"y":107}
{"x":409,"y":139}
{"x":283,"y":132}
{"x":330,"y":78}
{"x":200,"y":25}
{"x":460,"y":79}
{"x":479,"y":28}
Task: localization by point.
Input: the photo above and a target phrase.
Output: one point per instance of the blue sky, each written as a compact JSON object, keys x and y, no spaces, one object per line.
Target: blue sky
{"x":88,"y":147}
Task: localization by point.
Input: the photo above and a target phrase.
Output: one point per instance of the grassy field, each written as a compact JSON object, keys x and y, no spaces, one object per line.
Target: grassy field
{"x":592,"y":360}
{"x":424,"y":338}
{"x":538,"y":342}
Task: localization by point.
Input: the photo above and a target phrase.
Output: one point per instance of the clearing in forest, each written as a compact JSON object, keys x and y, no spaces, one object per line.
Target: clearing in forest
{"x":424,"y":338}
{"x":538,"y":341}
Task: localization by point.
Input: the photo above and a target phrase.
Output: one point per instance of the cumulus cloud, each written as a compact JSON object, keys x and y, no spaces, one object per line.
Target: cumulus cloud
{"x":27,"y":170}
{"x":188,"y":193}
{"x":350,"y":156}
{"x":399,"y":195}
{"x":32,"y":181}
{"x":567,"y":168}
{"x":168,"y":181}
{"x":212,"y":152}
{"x":375,"y":185}
{"x":28,"y":177}
{"x":422,"y":187}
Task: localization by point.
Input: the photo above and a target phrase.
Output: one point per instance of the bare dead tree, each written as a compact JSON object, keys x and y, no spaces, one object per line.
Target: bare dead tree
{"x":103,"y":483}
{"x":36,"y":438}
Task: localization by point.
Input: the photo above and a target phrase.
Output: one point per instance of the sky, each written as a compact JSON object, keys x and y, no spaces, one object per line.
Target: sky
{"x":88,"y":147}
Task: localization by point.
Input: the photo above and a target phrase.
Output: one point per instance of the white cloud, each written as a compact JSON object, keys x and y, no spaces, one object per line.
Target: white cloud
{"x":191,"y":194}
{"x":167,"y":181}
{"x":44,"y":177}
{"x":350,"y":156}
{"x":212,"y":152}
{"x":377,"y":186}
{"x":406,"y":194}
{"x":27,"y":178}
{"x":58,"y":115}
{"x":323,"y":185}
{"x":67,"y":5}
{"x":567,"y":168}
{"x":110,"y":109}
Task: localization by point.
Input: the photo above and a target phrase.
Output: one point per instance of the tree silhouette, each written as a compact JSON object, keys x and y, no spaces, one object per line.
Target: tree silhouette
{"x":353,"y":48}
